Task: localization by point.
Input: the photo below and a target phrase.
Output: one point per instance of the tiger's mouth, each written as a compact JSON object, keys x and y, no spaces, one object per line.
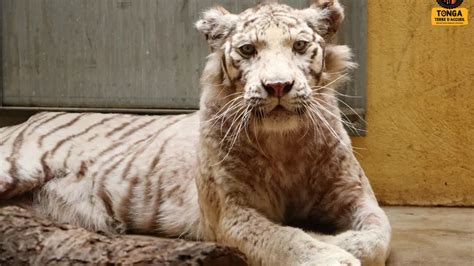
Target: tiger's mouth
{"x":280,"y":118}
{"x":278,"y":111}
{"x":279,"y":108}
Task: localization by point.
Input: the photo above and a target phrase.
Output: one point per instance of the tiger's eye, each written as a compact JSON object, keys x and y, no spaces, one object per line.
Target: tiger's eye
{"x":300,"y":46}
{"x":247,"y":50}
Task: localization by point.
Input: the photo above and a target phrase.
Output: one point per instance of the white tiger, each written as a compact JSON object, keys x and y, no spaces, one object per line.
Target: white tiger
{"x":265,"y":155}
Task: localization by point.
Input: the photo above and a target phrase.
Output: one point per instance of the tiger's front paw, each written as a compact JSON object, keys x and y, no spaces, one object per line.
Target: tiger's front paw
{"x":334,"y":257}
{"x":369,"y":247}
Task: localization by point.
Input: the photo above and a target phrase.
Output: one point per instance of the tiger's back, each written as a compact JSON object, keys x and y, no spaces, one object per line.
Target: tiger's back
{"x":107,"y":172}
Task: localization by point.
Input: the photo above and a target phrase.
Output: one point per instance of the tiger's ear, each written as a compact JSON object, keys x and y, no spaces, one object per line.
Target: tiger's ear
{"x":216,"y":24}
{"x":325,"y":17}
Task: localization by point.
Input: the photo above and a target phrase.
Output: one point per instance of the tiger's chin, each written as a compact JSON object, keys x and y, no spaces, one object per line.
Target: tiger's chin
{"x":281,"y":121}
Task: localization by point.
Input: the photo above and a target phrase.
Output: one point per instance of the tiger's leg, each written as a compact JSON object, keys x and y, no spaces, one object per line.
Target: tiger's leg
{"x":23,"y":170}
{"x":368,"y":237}
{"x":370,"y":234}
{"x":267,"y":243}
{"x":73,"y":201}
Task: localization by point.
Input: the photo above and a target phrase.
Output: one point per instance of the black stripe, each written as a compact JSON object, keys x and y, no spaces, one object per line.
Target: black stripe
{"x":93,"y":137}
{"x":316,"y":75}
{"x":69,"y":152}
{"x":102,"y":191}
{"x":47,"y":173}
{"x":122,"y":141}
{"x":47,"y":120}
{"x":234,"y":63}
{"x":12,"y":159}
{"x":87,"y":130}
{"x":137,"y":128}
{"x":21,"y":127}
{"x":155,"y":135}
{"x":157,"y":202}
{"x":229,"y":33}
{"x":11,"y":133}
{"x":124,"y":208}
{"x":224,"y":66}
{"x":315,"y":53}
{"x":82,"y":170}
{"x":104,"y":196}
{"x":116,"y":145}
{"x":324,"y":60}
{"x":121,"y":127}
{"x":58,"y":128}
{"x":249,"y":22}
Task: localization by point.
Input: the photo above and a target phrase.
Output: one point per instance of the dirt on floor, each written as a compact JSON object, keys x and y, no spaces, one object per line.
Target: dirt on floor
{"x":431,"y":236}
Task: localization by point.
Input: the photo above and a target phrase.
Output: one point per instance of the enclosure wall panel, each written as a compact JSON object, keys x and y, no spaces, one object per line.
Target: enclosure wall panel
{"x":126,"y":54}
{"x":122,"y":54}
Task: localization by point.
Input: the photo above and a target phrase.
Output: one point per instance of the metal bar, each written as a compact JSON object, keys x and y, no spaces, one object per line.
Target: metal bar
{"x":354,"y":34}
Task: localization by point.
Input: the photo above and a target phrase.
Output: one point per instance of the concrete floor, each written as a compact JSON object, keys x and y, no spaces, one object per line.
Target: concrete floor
{"x":431,"y":236}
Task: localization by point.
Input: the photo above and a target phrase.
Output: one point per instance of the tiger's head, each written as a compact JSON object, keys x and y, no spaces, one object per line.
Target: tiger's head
{"x":272,"y":62}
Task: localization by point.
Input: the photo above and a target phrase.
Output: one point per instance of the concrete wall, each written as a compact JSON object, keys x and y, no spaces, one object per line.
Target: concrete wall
{"x":419,"y":147}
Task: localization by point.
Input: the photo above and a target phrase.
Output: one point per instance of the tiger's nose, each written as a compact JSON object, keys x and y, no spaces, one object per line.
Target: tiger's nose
{"x":278,"y":89}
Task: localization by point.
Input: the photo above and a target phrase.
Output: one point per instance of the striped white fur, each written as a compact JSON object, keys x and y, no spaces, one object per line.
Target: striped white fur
{"x":94,"y":161}
{"x":265,"y":157}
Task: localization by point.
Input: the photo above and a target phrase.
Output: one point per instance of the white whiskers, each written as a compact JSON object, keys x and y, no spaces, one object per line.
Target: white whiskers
{"x":235,"y":117}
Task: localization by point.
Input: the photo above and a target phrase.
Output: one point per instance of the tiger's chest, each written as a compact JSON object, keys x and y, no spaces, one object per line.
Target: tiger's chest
{"x":286,"y":190}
